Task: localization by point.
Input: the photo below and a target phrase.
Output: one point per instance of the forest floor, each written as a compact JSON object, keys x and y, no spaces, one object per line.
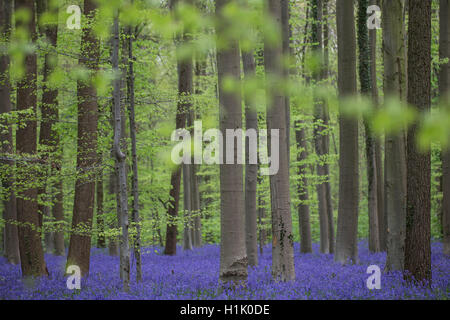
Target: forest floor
{"x":194,"y":275}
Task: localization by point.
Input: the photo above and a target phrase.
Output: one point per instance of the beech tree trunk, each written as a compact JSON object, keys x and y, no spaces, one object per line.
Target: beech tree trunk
{"x":444,"y":91}
{"x":326,"y":136}
{"x":347,"y":230}
{"x":251,"y":170}
{"x":184,"y":68}
{"x":317,"y":50}
{"x":48,"y":136}
{"x":233,"y":256}
{"x":87,"y":158}
{"x":395,"y":161}
{"x":10,"y":234}
{"x":101,"y":241}
{"x":302,"y":190}
{"x":378,"y":151}
{"x":120,"y":159}
{"x":135,"y":179}
{"x":366,"y":90}
{"x":282,"y":237}
{"x":418,"y":200}
{"x":31,"y":252}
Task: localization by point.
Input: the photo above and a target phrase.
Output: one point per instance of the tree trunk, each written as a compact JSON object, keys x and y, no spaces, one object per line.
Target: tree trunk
{"x":187,"y":232}
{"x":184,"y":68}
{"x":282,"y":237}
{"x":251,"y":170}
{"x":233,"y":257}
{"x":366,"y":90}
{"x":326,"y":136}
{"x":10,"y":235}
{"x":48,"y":136}
{"x":317,"y":50}
{"x":444,"y":90}
{"x":418,"y":200}
{"x":302,"y":190}
{"x":395,"y":161}
{"x":135,"y":181}
{"x":101,"y":243}
{"x":113,"y":245}
{"x":346,"y":237}
{"x":378,"y":152}
{"x":120,"y":159}
{"x":87,"y":158}
{"x":31,"y":252}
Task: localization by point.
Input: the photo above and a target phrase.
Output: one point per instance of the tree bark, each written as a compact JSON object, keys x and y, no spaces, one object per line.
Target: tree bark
{"x":120,"y":159}
{"x":87,"y":158}
{"x":347,"y":230}
{"x":366,"y":90}
{"x":48,"y":136}
{"x":251,"y":170}
{"x":10,"y":235}
{"x":282,"y":237}
{"x":317,"y":50}
{"x":302,"y":190}
{"x":378,"y":151}
{"x":135,"y":179}
{"x":444,"y":91}
{"x":418,"y":199}
{"x":326,"y":136}
{"x":101,"y":241}
{"x":184,"y":71}
{"x":233,"y":257}
{"x":31,"y":252}
{"x":395,"y":157}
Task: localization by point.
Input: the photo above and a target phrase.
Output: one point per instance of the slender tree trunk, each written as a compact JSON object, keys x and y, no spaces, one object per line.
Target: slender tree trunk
{"x":317,"y":49}
{"x":233,"y":257}
{"x":395,"y":161}
{"x":347,"y":230}
{"x":366,"y":90}
{"x":302,"y":187}
{"x":378,"y":151}
{"x":135,"y":181}
{"x":184,"y":88}
{"x":120,"y":158}
{"x":48,"y":136}
{"x":326,"y":136}
{"x":31,"y":252}
{"x":87,"y":158}
{"x":444,"y":90}
{"x":302,"y":190}
{"x":282,"y":237}
{"x":113,"y":245}
{"x":251,"y":170}
{"x":418,"y":200}
{"x":187,"y":232}
{"x":10,"y":235}
{"x":101,"y":241}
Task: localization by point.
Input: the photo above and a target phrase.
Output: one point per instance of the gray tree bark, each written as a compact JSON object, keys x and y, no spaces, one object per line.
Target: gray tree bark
{"x":233,"y":257}
{"x":135,"y":179}
{"x":120,"y":159}
{"x":251,"y":170}
{"x":347,"y":229}
{"x":302,"y":190}
{"x":395,"y":158}
{"x":282,"y":237}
